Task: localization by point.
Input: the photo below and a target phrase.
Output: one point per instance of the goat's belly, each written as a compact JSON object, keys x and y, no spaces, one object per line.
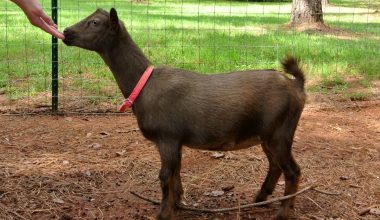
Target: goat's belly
{"x":230,"y":145}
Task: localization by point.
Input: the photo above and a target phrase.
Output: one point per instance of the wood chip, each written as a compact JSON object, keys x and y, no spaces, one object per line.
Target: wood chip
{"x":120,"y":153}
{"x":104,"y":134}
{"x":217,"y":155}
{"x":95,"y":145}
{"x":228,"y":188}
{"x":58,"y":200}
{"x":215,"y":193}
{"x":88,"y":135}
{"x":374,"y":211}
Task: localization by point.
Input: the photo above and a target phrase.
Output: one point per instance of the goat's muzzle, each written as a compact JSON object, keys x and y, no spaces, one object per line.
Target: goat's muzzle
{"x":69,"y":36}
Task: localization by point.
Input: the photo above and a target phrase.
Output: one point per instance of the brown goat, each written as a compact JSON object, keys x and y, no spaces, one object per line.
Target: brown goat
{"x":220,"y":112}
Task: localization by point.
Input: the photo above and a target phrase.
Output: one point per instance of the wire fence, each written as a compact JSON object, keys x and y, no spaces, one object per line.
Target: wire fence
{"x":209,"y":36}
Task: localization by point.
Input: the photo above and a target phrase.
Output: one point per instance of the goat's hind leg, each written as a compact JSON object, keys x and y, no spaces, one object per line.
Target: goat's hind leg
{"x":178,"y":189}
{"x":281,"y":145}
{"x":170,"y":165}
{"x":274,"y":173}
{"x":292,"y":176}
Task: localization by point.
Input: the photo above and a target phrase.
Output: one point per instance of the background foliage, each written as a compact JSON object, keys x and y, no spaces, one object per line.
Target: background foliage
{"x":209,"y":36}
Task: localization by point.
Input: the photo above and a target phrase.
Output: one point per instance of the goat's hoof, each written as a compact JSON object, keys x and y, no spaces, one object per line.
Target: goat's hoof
{"x":178,"y":205}
{"x":261,"y":198}
{"x":281,"y":217}
{"x":178,"y":200}
{"x":283,"y":214}
{"x":165,"y":215}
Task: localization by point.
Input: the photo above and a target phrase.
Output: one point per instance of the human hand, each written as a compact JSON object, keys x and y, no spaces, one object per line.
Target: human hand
{"x":37,"y":17}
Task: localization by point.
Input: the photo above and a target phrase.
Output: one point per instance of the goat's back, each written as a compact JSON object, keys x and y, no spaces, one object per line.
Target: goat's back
{"x":201,"y":109}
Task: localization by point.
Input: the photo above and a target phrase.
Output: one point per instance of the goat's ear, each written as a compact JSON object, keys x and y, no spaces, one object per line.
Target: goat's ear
{"x":114,"y":19}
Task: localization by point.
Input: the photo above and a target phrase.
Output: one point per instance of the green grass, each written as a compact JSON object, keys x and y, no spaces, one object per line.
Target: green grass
{"x":209,"y":36}
{"x":355,"y":3}
{"x":359,"y":96}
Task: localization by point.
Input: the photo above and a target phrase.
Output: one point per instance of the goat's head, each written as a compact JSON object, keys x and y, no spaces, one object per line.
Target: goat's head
{"x":97,"y":32}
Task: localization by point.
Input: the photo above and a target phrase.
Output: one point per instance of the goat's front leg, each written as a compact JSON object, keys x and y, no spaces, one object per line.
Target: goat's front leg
{"x":170,"y":153}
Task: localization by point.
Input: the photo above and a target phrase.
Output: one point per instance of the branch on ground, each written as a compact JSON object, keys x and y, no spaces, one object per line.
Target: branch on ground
{"x":228,"y":209}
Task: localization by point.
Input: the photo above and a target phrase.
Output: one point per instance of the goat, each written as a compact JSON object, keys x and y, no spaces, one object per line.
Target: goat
{"x":218,"y":112}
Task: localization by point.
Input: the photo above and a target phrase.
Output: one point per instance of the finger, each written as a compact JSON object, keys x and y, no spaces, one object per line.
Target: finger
{"x":47,"y":19}
{"x":49,"y":29}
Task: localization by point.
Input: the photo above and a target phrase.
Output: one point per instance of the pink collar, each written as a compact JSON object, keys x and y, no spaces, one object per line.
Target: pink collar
{"x":136,"y":91}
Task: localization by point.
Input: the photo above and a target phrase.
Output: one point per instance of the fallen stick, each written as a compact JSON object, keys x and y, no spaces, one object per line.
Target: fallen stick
{"x":154,"y":202}
{"x":227,"y":209}
{"x":365,"y":210}
{"x":327,"y":193}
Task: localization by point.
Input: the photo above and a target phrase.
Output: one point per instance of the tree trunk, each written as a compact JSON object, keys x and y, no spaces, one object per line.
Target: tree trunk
{"x":306,"y":11}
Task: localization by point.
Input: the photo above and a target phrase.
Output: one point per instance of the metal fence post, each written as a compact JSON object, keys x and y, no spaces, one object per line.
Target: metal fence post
{"x":54,"y":61}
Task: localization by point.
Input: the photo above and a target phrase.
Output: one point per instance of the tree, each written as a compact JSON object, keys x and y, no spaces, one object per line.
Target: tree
{"x":307,"y":12}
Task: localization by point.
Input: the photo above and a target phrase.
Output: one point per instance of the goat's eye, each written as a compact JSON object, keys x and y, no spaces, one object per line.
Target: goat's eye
{"x":95,"y":22}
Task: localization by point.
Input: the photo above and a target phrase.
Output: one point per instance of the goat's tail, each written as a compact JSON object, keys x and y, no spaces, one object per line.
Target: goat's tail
{"x":291,"y":66}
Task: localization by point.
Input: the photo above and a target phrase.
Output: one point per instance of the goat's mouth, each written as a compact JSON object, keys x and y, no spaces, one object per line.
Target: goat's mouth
{"x":68,"y":40}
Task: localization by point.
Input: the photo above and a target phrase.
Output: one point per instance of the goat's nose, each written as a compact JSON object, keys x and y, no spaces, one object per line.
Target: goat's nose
{"x":69,"y":36}
{"x":67,"y":32}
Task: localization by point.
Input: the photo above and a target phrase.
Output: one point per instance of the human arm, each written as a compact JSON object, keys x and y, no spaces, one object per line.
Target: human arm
{"x":37,"y":17}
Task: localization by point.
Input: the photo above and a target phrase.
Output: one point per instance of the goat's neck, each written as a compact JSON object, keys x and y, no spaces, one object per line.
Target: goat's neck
{"x":127,"y":63}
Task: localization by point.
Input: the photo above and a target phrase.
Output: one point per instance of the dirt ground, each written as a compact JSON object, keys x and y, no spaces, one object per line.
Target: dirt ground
{"x":84,"y":167}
